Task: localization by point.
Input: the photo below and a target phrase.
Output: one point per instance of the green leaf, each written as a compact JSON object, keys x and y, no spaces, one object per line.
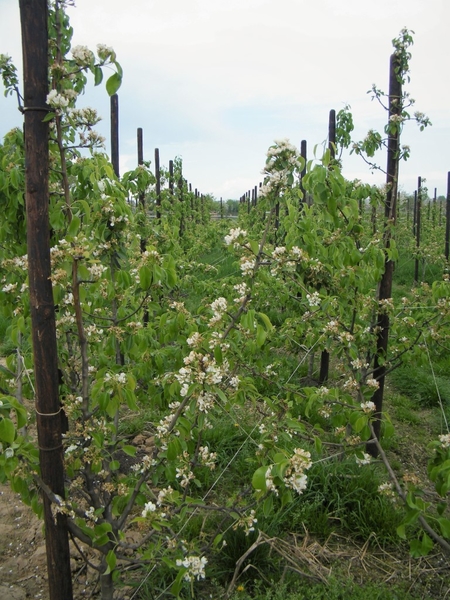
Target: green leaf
{"x":74,"y":226}
{"x":318,"y":445}
{"x":113,"y":84}
{"x":7,"y":431}
{"x":254,"y":246}
{"x":145,"y":277}
{"x":98,"y":75}
{"x":48,"y":117}
{"x":401,"y":531}
{"x":261,"y":335}
{"x":259,"y":479}
{"x":266,"y":321}
{"x":218,"y":355}
{"x":421,"y":547}
{"x":268,"y":506}
{"x":130,"y":450}
{"x":173,"y":449}
{"x":111,"y":561}
{"x":444,"y":524}
{"x":360,"y":424}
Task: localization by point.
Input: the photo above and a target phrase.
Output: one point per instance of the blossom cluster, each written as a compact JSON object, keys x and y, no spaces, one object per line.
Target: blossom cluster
{"x":234,"y":236}
{"x":195,"y":567}
{"x":294,"y":476}
{"x":219,"y":308}
{"x":82,"y":56}
{"x":246,"y":522}
{"x":282,"y":162}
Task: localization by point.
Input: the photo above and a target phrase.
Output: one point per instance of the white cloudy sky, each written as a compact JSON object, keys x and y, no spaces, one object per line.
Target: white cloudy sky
{"x":216,"y":81}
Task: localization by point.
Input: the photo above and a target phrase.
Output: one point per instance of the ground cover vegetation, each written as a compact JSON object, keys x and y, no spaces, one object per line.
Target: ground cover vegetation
{"x":205,"y":455}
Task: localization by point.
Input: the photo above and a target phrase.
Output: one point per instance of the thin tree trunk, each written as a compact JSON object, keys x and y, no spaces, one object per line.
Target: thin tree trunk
{"x":33,"y":14}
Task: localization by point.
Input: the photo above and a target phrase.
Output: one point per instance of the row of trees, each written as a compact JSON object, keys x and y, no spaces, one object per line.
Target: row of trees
{"x":92,"y":277}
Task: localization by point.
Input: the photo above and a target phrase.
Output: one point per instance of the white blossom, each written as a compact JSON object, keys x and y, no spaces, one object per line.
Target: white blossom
{"x":195,"y":566}
{"x":82,"y":55}
{"x":365,"y":460}
{"x":149,"y":508}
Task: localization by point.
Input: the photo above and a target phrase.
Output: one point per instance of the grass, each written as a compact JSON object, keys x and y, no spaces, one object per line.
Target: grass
{"x":337,"y":588}
{"x":421,"y":385}
{"x":341,"y":498}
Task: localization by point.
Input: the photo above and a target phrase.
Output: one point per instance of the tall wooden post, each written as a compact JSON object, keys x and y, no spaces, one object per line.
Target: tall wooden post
{"x":434,"y":206}
{"x":418,"y":218}
{"x":332,"y":133}
{"x":303,"y":153}
{"x":115,"y":133}
{"x":140,"y":160}
{"x":33,"y":15}
{"x":171,"y":178}
{"x":325,"y":355}
{"x":447,"y":223}
{"x":158,"y":186}
{"x":390,"y":212}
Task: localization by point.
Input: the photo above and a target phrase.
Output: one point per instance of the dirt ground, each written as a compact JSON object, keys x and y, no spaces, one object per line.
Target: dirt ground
{"x":23,"y":567}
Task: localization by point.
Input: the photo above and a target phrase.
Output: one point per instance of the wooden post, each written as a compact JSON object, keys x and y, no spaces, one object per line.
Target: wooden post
{"x":158,"y":186}
{"x":418,"y":217}
{"x":390,"y":212}
{"x":447,"y":223}
{"x":434,"y":206}
{"x":303,"y":153}
{"x":115,"y":133}
{"x":325,"y":355}
{"x":183,"y":208}
{"x":332,"y":133}
{"x":171,"y":178}
{"x":140,"y":154}
{"x":33,"y":15}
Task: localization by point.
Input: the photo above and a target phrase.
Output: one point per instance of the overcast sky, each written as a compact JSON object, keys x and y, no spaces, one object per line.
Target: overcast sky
{"x":216,"y":81}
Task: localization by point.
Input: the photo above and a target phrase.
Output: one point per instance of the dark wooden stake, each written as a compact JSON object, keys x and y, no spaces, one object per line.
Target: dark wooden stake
{"x":434,"y":206}
{"x":33,"y":15}
{"x":115,"y":133}
{"x":303,"y":153}
{"x":325,"y":355}
{"x":447,"y":224}
{"x":385,"y":289}
{"x":332,"y":133}
{"x":418,"y":217}
{"x":158,"y":186}
{"x":140,"y":157}
{"x":171,"y":178}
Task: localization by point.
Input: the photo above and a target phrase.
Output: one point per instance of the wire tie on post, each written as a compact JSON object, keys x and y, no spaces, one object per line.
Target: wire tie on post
{"x":31,"y":108}
{"x":48,"y":414}
{"x":50,"y":449}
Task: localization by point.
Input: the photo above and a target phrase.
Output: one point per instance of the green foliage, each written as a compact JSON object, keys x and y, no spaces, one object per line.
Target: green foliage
{"x":209,"y":352}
